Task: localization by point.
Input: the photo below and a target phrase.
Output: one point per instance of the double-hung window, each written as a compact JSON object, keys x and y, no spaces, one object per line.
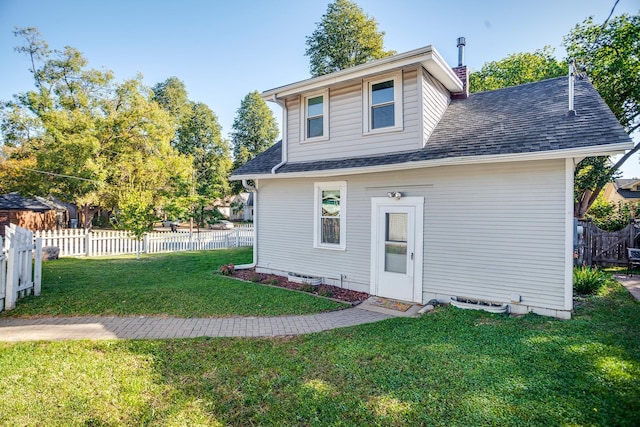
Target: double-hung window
{"x":315,"y":109}
{"x":329,"y":217}
{"x":383,"y":104}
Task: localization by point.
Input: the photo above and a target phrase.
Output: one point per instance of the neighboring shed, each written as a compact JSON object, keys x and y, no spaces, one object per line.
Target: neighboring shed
{"x":26,"y":213}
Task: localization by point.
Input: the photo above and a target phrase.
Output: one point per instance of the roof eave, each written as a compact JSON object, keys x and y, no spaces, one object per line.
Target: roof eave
{"x":427,"y":56}
{"x":599,"y":150}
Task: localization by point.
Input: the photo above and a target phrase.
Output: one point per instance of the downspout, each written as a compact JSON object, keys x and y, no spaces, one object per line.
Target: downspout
{"x":285,"y":154}
{"x":254,"y":190}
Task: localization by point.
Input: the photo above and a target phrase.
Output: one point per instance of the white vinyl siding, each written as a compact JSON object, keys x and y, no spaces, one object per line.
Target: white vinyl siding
{"x":496,"y":231}
{"x":490,"y":231}
{"x":435,"y":99}
{"x":345,"y":125}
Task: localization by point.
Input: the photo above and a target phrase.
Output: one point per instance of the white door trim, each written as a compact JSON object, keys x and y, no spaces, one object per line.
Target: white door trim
{"x":418,"y":204}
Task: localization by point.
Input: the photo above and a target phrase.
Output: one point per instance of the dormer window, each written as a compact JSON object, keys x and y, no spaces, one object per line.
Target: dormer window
{"x":383,"y":104}
{"x":315,"y":109}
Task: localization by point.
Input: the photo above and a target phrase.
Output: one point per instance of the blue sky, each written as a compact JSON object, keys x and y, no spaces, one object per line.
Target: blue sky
{"x":223,"y":50}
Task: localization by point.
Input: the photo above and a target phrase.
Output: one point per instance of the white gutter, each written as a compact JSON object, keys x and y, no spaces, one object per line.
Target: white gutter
{"x":599,"y":150}
{"x":284,"y":144}
{"x":253,"y":190}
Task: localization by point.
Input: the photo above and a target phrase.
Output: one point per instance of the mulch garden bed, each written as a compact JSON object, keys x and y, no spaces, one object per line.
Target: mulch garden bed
{"x":335,"y":292}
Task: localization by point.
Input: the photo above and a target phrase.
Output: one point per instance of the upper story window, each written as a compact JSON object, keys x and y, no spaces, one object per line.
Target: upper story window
{"x":383,"y":104}
{"x":315,"y":113}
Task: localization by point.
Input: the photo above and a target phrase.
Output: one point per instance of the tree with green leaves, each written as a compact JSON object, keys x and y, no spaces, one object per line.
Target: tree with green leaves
{"x":198,"y":134}
{"x":82,"y":137}
{"x":135,"y":213}
{"x":517,"y":68}
{"x":254,"y":130}
{"x":344,"y":37}
{"x":609,"y":55}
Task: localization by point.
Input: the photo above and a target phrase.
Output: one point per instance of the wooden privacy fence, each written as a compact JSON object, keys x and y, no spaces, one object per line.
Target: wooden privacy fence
{"x":77,"y":242}
{"x":599,"y":247}
{"x":20,"y":266}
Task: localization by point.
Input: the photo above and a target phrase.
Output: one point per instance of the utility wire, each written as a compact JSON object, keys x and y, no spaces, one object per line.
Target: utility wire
{"x":604,"y":24}
{"x":60,"y":175}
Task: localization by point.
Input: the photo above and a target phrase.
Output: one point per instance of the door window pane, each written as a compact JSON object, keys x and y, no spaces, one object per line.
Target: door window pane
{"x":395,"y":247}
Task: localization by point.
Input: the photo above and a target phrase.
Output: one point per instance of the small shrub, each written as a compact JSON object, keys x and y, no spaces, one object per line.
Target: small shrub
{"x":227,"y":270}
{"x":255,"y":278}
{"x":307,"y":288}
{"x":587,"y":280}
{"x":325,"y":293}
{"x":272,"y":282}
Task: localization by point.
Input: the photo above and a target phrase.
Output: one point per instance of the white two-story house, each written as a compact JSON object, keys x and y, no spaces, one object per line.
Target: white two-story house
{"x":391,"y":179}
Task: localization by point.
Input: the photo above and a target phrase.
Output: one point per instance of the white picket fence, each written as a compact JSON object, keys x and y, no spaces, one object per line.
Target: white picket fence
{"x":77,"y":242}
{"x":20,"y":266}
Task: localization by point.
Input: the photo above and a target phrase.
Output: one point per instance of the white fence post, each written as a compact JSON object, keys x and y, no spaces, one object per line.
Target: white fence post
{"x":37,"y":268}
{"x":145,"y":241}
{"x":11,"y":292}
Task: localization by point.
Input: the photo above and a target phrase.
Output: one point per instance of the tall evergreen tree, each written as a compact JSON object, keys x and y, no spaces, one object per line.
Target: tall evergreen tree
{"x":344,"y":37}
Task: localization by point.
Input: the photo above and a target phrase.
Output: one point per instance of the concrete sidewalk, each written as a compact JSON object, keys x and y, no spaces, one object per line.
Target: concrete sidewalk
{"x":72,"y":328}
{"x":632,"y":283}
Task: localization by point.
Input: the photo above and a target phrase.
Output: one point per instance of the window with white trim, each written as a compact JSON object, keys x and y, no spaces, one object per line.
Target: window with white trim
{"x":315,"y":113}
{"x":329,"y":216}
{"x":383,"y":104}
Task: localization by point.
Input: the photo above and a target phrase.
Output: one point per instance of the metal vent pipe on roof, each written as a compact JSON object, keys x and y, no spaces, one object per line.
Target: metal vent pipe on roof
{"x":572,"y":72}
{"x":462,"y":42}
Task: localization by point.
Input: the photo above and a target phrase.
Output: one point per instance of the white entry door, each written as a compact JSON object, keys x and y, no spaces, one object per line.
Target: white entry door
{"x":396,"y":248}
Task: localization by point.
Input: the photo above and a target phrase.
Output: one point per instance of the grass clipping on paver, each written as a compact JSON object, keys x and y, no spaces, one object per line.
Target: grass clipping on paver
{"x":182,"y":284}
{"x":449,"y":367}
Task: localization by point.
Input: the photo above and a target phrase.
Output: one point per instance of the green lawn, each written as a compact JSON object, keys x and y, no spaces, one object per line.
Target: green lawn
{"x":182,"y":284}
{"x":450,"y":367}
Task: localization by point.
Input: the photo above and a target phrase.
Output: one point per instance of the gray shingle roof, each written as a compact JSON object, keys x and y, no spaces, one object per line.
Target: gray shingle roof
{"x":13,"y":201}
{"x":520,"y":119}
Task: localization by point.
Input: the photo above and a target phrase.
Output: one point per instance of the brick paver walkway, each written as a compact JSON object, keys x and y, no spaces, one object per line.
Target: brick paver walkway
{"x":66,"y":328}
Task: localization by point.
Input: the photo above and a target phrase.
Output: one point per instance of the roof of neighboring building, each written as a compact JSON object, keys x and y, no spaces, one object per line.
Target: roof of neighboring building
{"x":624,"y":188}
{"x":626,"y":183}
{"x":529,"y":118}
{"x":14,"y":201}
